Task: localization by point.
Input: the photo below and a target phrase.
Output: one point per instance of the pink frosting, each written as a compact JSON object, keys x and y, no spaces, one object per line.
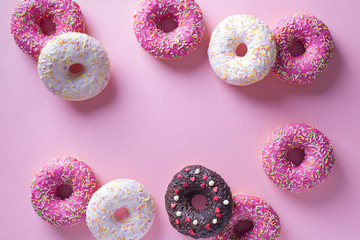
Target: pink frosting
{"x":318,"y":43}
{"x":266,"y":222}
{"x":28,"y":15}
{"x":171,"y":45}
{"x":316,"y":166}
{"x":45,"y":200}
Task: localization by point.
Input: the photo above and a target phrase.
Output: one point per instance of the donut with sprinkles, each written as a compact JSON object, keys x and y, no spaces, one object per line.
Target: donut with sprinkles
{"x":28,"y":15}
{"x":315,"y":167}
{"x":63,"y":52}
{"x":265,"y":221}
{"x":315,"y":36}
{"x":125,"y":194}
{"x":45,"y":197}
{"x":261,"y":50}
{"x":169,"y":45}
{"x":186,"y":219}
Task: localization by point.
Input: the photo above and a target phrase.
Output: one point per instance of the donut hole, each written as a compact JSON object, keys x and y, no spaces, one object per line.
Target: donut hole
{"x":64,"y":191}
{"x":48,"y":27}
{"x":296,"y":156}
{"x":199,"y":202}
{"x":241,"y":50}
{"x":168,"y":24}
{"x":76,"y":68}
{"x":121,"y":213}
{"x":243,"y":226}
{"x":296,"y":49}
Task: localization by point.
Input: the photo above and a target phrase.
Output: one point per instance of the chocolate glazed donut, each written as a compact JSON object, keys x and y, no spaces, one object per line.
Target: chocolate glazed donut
{"x":196,"y":223}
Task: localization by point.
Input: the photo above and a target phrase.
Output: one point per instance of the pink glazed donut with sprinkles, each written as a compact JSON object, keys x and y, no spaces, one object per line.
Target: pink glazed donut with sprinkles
{"x":315,"y":167}
{"x":47,"y":202}
{"x":169,"y":45}
{"x":318,"y":44}
{"x":264,"y":219}
{"x":28,"y":15}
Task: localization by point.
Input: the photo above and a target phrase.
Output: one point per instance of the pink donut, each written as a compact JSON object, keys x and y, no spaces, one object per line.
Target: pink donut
{"x":171,"y":45}
{"x":28,"y":15}
{"x":318,"y":44}
{"x":265,"y":221}
{"x":44,"y":191}
{"x":316,"y":166}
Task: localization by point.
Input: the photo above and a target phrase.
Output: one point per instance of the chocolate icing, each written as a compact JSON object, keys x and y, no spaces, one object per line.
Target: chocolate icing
{"x":187,"y":183}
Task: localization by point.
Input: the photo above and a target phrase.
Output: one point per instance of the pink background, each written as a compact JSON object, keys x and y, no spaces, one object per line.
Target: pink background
{"x":157,"y":116}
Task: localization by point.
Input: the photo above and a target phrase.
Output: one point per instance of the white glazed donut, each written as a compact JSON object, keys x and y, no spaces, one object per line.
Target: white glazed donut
{"x":120,"y":193}
{"x":261,"y":50}
{"x":66,"y":50}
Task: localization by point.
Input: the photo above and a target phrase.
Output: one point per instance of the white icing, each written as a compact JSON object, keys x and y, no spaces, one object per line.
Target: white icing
{"x":197,"y":171}
{"x":121,"y":193}
{"x":176,"y":198}
{"x":178,"y":213}
{"x":226,"y":202}
{"x":214,"y":221}
{"x":195,"y":222}
{"x":65,"y":50}
{"x":211,"y":183}
{"x":261,"y":50}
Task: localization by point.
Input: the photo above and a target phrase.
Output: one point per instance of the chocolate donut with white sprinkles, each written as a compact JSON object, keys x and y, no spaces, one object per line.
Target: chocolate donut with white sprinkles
{"x":184,"y":217}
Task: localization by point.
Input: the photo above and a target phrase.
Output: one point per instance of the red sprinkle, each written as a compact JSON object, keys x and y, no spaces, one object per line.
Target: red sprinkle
{"x":187,"y":169}
{"x":217,"y":210}
{"x":176,"y":191}
{"x":202,"y":185}
{"x":205,"y":177}
{"x":192,"y":179}
{"x":179,"y":176}
{"x":215,"y":189}
{"x":177,"y":221}
{"x":216,"y":198}
{"x":192,"y":233}
{"x":208,"y":226}
{"x":173,"y":205}
{"x":188,"y":219}
{"x":185,"y":184}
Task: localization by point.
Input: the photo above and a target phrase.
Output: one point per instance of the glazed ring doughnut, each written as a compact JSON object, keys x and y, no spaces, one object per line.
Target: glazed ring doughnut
{"x":261,"y":50}
{"x":186,"y":219}
{"x":318,"y":44}
{"x":120,"y":193}
{"x":27,"y":17}
{"x":172,"y":45}
{"x":264,"y":219}
{"x":45,"y":199}
{"x":67,"y":50}
{"x":316,"y":166}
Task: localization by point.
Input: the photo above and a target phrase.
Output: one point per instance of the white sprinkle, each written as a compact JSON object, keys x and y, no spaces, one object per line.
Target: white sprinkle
{"x":195,"y":222}
{"x":197,"y":171}
{"x":176,"y":198}
{"x":214,"y":221}
{"x":178,"y":213}
{"x":211,"y":183}
{"x":226,"y":202}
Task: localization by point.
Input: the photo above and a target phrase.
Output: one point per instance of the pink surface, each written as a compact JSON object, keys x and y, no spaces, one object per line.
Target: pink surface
{"x":157,"y":116}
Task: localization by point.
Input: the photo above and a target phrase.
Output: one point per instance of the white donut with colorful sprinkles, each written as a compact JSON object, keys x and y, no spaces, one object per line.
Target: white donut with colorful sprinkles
{"x":117,"y":194}
{"x":71,"y":49}
{"x":261,"y":50}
